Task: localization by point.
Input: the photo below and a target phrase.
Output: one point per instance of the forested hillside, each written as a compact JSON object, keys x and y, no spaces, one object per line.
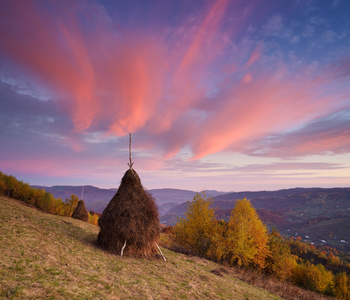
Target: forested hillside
{"x":320,"y":216}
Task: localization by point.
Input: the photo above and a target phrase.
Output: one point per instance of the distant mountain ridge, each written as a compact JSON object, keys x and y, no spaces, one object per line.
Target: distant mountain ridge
{"x":285,"y":200}
{"x":295,"y":211}
{"x":96,"y":199}
{"x":320,"y":215}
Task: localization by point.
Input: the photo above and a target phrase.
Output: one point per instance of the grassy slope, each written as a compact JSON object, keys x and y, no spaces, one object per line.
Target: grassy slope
{"x":46,"y":256}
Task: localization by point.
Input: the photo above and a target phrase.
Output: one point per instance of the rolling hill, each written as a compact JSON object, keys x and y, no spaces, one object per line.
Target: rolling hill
{"x":322,"y":215}
{"x":53,"y":257}
{"x":45,"y":256}
{"x":292,"y":211}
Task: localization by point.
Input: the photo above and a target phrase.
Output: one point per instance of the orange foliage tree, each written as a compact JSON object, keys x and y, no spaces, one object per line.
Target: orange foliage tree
{"x":93,"y":218}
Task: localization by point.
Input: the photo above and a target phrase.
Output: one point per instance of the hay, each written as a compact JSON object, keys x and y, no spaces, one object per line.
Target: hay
{"x":80,"y":212}
{"x":130,"y":216}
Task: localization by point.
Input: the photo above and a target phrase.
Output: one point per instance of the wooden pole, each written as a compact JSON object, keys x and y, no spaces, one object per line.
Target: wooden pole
{"x":161,"y":252}
{"x":130,"y":148}
{"x":121,"y":253}
{"x":130,"y":162}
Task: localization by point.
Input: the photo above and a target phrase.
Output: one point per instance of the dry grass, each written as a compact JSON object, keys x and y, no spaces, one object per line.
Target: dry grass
{"x":285,"y":290}
{"x":51,"y":257}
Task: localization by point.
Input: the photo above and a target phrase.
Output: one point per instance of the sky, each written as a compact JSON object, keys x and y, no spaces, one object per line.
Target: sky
{"x":226,"y":95}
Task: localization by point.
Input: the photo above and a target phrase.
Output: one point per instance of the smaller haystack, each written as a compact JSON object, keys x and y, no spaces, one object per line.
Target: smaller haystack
{"x":80,"y":212}
{"x":130,"y":222}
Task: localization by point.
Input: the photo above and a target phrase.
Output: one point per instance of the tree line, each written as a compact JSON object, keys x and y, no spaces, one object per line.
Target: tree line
{"x":39,"y":198}
{"x":244,"y":241}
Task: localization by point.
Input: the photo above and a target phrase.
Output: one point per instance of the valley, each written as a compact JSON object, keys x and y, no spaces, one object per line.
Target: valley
{"x":320,"y":216}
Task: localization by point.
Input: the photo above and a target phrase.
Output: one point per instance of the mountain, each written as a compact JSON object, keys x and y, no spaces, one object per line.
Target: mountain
{"x":296,"y":211}
{"x":318,"y":213}
{"x":311,"y":202}
{"x":96,"y":199}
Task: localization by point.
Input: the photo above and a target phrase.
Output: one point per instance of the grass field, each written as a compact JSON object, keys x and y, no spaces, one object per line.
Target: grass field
{"x":51,"y":257}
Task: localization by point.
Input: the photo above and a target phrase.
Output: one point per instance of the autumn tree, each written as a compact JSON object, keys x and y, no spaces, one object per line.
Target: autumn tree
{"x":197,"y":231}
{"x":279,"y":262}
{"x":342,"y":286}
{"x":16,"y":189}
{"x":246,"y":236}
{"x":93,"y":218}
{"x":71,"y":204}
{"x":315,"y":278}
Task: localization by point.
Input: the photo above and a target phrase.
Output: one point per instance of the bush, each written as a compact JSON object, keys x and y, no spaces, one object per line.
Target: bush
{"x":315,"y":278}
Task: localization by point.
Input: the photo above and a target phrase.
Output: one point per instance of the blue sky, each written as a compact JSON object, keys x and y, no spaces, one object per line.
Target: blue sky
{"x":226,"y":95}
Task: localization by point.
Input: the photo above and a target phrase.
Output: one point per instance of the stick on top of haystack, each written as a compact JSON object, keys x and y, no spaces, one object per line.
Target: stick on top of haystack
{"x":130,"y":222}
{"x":130,"y":162}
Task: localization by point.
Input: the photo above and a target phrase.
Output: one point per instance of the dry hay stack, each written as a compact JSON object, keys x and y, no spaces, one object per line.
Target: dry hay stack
{"x":80,"y":212}
{"x":131,"y":216}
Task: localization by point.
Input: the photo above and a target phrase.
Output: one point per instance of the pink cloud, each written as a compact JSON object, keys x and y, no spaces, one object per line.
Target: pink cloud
{"x":247,"y":78}
{"x":176,"y":92}
{"x":259,"y":107}
{"x":253,"y":57}
{"x":328,"y":135}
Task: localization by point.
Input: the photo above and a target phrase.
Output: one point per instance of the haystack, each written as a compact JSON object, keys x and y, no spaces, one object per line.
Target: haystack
{"x":130,"y":222}
{"x":80,"y":212}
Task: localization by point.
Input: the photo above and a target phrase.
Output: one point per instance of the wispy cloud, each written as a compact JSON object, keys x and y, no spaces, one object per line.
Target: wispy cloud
{"x":213,"y":78}
{"x":325,"y":135}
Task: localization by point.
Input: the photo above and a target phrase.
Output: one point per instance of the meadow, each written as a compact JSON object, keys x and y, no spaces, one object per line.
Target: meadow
{"x":45,"y":256}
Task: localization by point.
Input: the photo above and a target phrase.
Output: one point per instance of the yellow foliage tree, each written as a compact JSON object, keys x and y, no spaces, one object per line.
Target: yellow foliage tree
{"x":71,"y":204}
{"x":198,"y":230}
{"x":246,"y":236}
{"x":342,"y":286}
{"x":93,"y":219}
{"x":279,"y":262}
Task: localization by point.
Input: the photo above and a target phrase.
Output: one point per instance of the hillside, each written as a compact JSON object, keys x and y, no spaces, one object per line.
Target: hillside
{"x":47,"y":256}
{"x":296,"y":211}
{"x":321,"y":214}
